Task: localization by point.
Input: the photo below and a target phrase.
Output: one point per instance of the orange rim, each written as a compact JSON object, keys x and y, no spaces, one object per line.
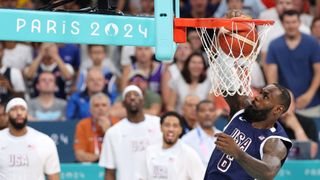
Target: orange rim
{"x":181,"y":25}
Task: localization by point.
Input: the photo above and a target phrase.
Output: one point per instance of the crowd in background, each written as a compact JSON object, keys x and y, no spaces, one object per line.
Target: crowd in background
{"x":86,"y":83}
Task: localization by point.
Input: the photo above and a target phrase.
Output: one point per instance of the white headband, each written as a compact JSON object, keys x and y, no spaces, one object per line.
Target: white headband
{"x":131,"y":88}
{"x":15,"y":102}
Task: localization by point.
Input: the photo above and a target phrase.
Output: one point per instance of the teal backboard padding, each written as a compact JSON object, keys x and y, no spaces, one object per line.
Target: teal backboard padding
{"x":82,"y":28}
{"x":291,"y":170}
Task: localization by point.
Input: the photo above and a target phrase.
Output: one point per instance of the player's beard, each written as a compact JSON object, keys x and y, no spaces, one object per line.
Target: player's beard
{"x":17,"y":126}
{"x":255,"y":115}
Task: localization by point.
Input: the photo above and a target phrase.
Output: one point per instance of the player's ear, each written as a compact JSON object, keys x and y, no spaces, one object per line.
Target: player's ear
{"x":279,"y":109}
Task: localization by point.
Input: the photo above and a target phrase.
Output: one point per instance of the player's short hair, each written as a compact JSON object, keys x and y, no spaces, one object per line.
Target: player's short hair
{"x":289,"y":13}
{"x":174,"y":114}
{"x":205,"y":101}
{"x":285,"y":98}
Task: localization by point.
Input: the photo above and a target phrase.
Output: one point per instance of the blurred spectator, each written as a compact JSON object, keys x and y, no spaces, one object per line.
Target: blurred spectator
{"x":189,"y":113}
{"x":199,"y":9}
{"x":144,"y":61}
{"x":277,"y":28}
{"x":16,"y":55}
{"x":152,"y":100}
{"x":300,"y":128}
{"x":125,"y":143}
{"x":195,"y":41}
{"x":90,"y":131}
{"x":173,"y":72}
{"x":13,"y":75}
{"x":6,"y":91}
{"x":99,"y":60}
{"x":48,"y":59}
{"x":28,"y":153}
{"x":315,"y":28}
{"x":305,"y":18}
{"x":171,"y":159}
{"x":147,"y":7}
{"x":8,"y":3}
{"x":47,"y":107}
{"x":249,"y":7}
{"x":294,"y":61}
{"x":70,"y":53}
{"x":78,"y":103}
{"x":3,"y":116}
{"x":193,"y":80}
{"x":202,"y":139}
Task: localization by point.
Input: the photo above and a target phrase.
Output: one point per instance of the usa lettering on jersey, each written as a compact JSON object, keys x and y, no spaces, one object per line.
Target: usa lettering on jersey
{"x":242,"y":141}
{"x":18,"y":160}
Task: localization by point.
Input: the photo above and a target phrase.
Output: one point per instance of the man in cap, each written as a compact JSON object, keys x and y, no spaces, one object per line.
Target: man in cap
{"x":26,"y":153}
{"x":124,"y":144}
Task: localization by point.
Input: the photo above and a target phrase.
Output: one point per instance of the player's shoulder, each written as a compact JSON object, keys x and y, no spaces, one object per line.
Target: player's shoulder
{"x":150,"y":117}
{"x":3,"y":134}
{"x":118,"y":127}
{"x":40,"y":136}
{"x":187,"y":150}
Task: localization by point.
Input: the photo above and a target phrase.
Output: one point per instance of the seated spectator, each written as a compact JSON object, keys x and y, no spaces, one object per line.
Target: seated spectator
{"x":315,"y":28}
{"x":189,"y":113}
{"x":293,"y":61}
{"x":152,"y":100}
{"x":6,"y":91}
{"x":17,"y":55}
{"x":277,"y":29}
{"x":202,"y":139}
{"x":99,"y":60}
{"x":3,"y":116}
{"x":305,"y":18}
{"x":13,"y":75}
{"x":249,"y":7}
{"x":48,"y":59}
{"x":199,"y":9}
{"x":90,"y":131}
{"x":193,"y":80}
{"x":9,"y":3}
{"x":144,"y":61}
{"x":70,"y":53}
{"x":78,"y":103}
{"x":195,"y":41}
{"x":46,"y":107}
{"x":300,"y":127}
{"x":174,"y":70}
{"x":171,"y":159}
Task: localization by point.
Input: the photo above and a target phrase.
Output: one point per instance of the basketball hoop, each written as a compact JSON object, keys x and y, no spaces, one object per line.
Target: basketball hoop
{"x":231,"y":50}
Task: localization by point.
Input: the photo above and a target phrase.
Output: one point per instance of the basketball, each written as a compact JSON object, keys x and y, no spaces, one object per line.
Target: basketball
{"x":238,"y":39}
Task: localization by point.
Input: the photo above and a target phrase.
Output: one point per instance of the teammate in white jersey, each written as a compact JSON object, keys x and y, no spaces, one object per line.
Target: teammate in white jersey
{"x":171,"y":159}
{"x":25,"y":153}
{"x":124,"y":143}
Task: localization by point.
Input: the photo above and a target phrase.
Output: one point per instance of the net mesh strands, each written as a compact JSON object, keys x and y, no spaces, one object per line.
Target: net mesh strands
{"x":230,"y":71}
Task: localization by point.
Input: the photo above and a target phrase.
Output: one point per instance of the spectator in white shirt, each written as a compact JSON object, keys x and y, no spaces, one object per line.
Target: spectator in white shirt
{"x":202,"y":139}
{"x":171,"y":159}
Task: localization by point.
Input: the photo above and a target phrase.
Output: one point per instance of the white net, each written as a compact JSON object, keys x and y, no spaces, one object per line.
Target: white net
{"x":231,"y":52}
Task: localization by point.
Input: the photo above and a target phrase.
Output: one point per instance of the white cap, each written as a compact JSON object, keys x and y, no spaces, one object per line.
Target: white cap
{"x":15,"y":102}
{"x":131,"y":88}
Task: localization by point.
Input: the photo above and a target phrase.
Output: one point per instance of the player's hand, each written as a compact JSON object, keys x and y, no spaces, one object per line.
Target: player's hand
{"x":303,"y":100}
{"x":236,"y":14}
{"x":227,"y":145}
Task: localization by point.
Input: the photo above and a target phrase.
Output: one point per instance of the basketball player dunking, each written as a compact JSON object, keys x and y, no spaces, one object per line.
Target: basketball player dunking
{"x":253,"y":145}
